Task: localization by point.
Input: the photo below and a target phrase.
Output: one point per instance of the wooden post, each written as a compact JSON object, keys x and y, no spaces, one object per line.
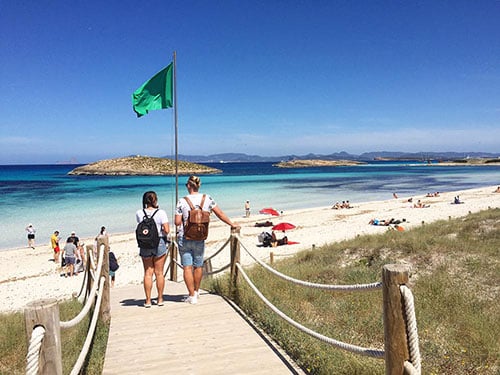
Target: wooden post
{"x":105,"y":311}
{"x":271,"y":258}
{"x":173,"y":264}
{"x":45,"y":313}
{"x":235,"y":256}
{"x":395,"y":340}
{"x":207,"y":268}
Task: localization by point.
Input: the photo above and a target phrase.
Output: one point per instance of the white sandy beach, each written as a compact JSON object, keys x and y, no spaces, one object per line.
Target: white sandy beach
{"x":27,"y":275}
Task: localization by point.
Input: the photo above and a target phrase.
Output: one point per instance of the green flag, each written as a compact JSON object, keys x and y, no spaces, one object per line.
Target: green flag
{"x":155,"y":93}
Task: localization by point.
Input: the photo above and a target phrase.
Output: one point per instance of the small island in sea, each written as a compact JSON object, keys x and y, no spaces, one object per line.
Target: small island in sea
{"x":141,"y":166}
{"x":305,"y":163}
{"x":470,"y":161}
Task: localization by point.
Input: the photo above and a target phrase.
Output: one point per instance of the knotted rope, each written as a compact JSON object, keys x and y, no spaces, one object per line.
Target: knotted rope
{"x":339,"y":344}
{"x":33,"y":355}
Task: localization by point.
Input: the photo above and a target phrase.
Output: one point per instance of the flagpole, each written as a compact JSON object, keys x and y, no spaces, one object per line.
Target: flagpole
{"x":173,"y":248}
{"x":175,"y":124}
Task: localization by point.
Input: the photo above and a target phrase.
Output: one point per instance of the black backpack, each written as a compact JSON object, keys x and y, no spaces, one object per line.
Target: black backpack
{"x":113,"y":263}
{"x":146,"y":232}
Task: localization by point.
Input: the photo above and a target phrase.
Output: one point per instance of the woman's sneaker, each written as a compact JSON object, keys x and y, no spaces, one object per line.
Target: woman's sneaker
{"x":193,"y":300}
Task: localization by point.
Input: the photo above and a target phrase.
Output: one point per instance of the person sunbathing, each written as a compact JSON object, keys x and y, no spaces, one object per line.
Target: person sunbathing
{"x":336,"y":206}
{"x":419,"y":204}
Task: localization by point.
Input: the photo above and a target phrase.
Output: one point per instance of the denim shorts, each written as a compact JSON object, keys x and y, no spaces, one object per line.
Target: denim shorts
{"x":161,"y":250}
{"x":192,"y":252}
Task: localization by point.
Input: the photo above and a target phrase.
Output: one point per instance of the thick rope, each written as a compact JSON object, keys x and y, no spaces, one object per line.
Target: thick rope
{"x":33,"y":355}
{"x":349,"y":347}
{"x":77,"y":319}
{"x":217,"y":271}
{"x":409,"y":369}
{"x":83,"y":289}
{"x":411,"y":328}
{"x":350,"y":288}
{"x":90,"y":334}
{"x":218,"y":251}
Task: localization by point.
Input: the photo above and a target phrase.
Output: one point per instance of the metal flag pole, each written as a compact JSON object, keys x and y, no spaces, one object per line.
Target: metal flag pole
{"x":175,"y":124}
{"x":173,"y":249}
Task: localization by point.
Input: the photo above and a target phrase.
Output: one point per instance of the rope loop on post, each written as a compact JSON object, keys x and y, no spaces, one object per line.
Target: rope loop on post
{"x":33,"y":355}
{"x":411,"y":330}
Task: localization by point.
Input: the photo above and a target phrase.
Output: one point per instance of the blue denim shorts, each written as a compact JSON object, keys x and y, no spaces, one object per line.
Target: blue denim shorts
{"x":192,"y":252}
{"x":161,"y":250}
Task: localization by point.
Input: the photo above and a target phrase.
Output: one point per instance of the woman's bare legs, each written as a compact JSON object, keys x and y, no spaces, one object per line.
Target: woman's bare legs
{"x":159,"y":264}
{"x":148,"y":277}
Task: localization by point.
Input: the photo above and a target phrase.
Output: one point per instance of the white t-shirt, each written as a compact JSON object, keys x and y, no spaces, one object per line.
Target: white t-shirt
{"x":160,"y":218}
{"x":183,"y":207}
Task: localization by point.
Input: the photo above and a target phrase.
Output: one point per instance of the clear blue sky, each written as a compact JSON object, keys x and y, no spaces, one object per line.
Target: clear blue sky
{"x":258,"y":77}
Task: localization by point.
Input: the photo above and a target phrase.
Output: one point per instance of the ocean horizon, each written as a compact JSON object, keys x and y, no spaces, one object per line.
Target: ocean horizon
{"x":50,"y":199}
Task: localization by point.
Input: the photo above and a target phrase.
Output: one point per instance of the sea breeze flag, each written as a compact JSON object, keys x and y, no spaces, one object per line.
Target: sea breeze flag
{"x":156,"y":93}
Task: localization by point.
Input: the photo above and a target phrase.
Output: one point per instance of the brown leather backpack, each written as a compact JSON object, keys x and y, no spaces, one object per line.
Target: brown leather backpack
{"x":196,"y":227}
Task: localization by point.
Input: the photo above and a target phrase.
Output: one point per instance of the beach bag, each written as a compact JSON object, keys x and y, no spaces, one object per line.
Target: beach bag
{"x":146,"y":232}
{"x":113,"y":263}
{"x":196,"y":227}
{"x":265,"y":239}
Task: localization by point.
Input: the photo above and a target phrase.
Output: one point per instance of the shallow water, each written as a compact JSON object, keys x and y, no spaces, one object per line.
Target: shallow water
{"x":50,"y":199}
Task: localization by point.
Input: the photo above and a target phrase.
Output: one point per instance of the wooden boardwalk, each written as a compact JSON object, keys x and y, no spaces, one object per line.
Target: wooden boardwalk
{"x":210,"y":337}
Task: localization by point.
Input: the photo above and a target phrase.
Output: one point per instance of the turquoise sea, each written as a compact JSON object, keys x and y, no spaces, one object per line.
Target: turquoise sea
{"x":50,"y":199}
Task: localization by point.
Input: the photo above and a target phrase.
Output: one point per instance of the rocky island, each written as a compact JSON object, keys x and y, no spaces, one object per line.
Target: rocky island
{"x":305,"y":163}
{"x":141,"y":166}
{"x":470,"y":161}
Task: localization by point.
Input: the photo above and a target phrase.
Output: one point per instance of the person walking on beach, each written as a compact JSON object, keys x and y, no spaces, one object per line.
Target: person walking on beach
{"x":247,"y":209}
{"x":31,"y":235}
{"x":153,"y":260}
{"x":54,"y":242}
{"x":192,"y":251}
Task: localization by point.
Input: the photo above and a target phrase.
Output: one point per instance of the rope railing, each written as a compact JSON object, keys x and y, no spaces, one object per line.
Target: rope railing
{"x":208,"y":259}
{"x":354,"y":287}
{"x":42,"y":316}
{"x":86,"y":308}
{"x":90,"y":334}
{"x":401,"y":352}
{"x":35,"y":344}
{"x":218,"y":251}
{"x":411,"y":330}
{"x":217,"y":271}
{"x":375,"y":353}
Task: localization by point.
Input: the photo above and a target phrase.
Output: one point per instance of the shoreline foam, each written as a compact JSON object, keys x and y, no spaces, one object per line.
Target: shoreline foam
{"x":28,"y":274}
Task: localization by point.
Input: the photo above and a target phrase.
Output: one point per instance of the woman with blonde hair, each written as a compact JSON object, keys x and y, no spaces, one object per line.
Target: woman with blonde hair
{"x":153,"y":260}
{"x":192,"y":251}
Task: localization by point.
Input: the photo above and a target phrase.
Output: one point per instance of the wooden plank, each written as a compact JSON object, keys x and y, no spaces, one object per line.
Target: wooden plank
{"x":207,"y":338}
